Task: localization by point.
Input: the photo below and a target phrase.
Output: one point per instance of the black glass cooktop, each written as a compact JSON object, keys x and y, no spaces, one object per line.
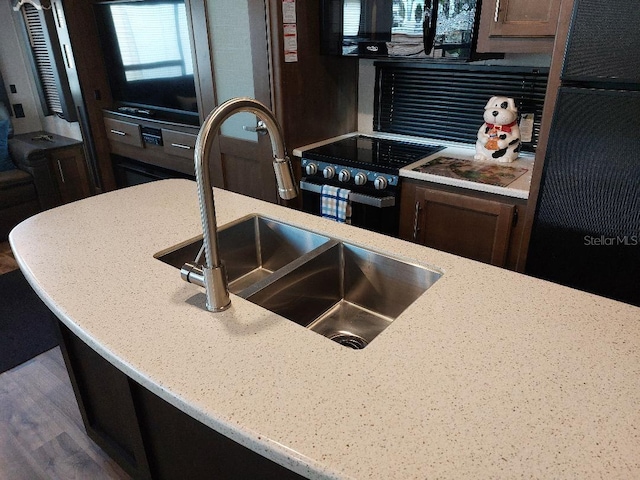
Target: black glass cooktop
{"x":387,"y":156}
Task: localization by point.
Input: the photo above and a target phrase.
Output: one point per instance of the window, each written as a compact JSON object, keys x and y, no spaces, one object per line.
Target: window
{"x":351,"y":18}
{"x":143,"y":25}
{"x":47,"y":61}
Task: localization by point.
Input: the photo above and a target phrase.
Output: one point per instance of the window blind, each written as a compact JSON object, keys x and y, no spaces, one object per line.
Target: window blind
{"x":163,"y":25}
{"x":446,"y":101}
{"x":47,"y":62}
{"x":42,"y":57}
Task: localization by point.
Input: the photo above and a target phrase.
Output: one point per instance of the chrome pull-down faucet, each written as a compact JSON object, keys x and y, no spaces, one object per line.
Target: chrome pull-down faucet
{"x":211,"y":274}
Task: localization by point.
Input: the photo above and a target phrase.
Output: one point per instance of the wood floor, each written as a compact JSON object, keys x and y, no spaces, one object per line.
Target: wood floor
{"x":41,"y":430}
{"x":7,"y":262}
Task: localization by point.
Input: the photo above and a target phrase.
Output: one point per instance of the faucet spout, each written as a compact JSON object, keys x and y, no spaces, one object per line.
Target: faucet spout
{"x":211,"y":275}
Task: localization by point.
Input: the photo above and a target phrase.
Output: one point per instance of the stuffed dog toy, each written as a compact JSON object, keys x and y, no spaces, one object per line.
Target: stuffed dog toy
{"x":499,"y":136}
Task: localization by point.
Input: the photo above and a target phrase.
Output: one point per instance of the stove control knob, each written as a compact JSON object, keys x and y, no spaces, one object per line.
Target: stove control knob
{"x":344,"y":175}
{"x":380,"y":183}
{"x":311,"y":169}
{"x":360,"y":178}
{"x":329,"y":172}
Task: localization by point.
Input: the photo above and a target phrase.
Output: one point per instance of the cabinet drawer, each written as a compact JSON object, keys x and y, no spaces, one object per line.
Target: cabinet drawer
{"x":123,"y":132}
{"x":178,"y":143}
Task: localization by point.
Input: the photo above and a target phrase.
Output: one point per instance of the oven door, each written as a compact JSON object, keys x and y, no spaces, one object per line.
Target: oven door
{"x":370,"y":209}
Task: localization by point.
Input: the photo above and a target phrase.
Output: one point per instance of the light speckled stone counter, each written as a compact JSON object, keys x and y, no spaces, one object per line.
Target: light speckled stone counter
{"x":490,"y":374}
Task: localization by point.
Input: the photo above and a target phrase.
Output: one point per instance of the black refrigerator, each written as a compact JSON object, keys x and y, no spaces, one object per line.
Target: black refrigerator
{"x":586,"y":231}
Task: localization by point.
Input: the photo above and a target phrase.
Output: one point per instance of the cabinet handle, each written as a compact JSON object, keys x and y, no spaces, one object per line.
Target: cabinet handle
{"x":61,"y":172}
{"x":495,"y":15}
{"x":416,"y":218}
{"x":429,"y":23}
{"x":179,"y":145}
{"x":118,"y":132}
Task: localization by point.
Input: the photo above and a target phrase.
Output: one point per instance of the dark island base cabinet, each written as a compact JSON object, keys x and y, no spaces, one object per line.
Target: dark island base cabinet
{"x":474,"y":225}
{"x":148,"y":437}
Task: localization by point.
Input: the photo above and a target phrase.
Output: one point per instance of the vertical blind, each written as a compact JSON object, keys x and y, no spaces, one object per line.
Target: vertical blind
{"x":48,"y":59}
{"x":446,"y":101}
{"x":42,"y":57}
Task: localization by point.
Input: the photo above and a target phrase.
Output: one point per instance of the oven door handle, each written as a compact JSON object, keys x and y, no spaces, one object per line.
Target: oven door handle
{"x":378,"y":202}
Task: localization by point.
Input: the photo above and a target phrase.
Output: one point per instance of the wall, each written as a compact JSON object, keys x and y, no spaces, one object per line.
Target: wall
{"x":367,"y":78}
{"x":16,"y":71}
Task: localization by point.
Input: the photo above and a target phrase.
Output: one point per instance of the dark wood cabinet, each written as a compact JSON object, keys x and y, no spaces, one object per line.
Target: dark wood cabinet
{"x":147,"y":436}
{"x":70,"y":170}
{"x":471,"y":224}
{"x":65,"y":166}
{"x":518,"y":26}
{"x":106,"y":405}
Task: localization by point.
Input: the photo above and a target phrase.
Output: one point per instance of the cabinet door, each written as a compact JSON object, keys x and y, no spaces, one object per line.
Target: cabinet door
{"x":523,"y":18}
{"x":105,"y":403}
{"x":71,"y":174}
{"x":238,"y":39}
{"x":518,"y":26}
{"x":471,"y":227}
{"x":147,"y":436}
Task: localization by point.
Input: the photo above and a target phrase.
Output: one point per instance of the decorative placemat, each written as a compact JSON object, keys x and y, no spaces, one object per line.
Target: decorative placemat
{"x":499,"y":175}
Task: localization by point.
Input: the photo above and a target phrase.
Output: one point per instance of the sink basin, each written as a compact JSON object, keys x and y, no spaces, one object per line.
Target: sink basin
{"x":251,"y":249}
{"x":347,"y":293}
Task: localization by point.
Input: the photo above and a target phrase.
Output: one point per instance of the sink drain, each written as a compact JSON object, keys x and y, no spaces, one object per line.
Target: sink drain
{"x":349,"y":340}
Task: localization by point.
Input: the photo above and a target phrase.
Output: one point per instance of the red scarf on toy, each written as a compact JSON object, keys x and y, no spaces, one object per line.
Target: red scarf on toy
{"x":502,"y":128}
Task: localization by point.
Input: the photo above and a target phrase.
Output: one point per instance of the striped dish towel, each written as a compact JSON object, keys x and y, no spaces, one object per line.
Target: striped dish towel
{"x":335,"y":204}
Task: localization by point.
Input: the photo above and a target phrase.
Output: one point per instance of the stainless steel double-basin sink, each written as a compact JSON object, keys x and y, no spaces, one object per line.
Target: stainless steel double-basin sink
{"x":347,"y":293}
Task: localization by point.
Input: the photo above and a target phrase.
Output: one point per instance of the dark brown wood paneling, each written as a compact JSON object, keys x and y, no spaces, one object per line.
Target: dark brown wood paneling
{"x":146,"y":435}
{"x":105,"y":402}
{"x":92,"y":77}
{"x":317,"y":96}
{"x":180,"y":447}
{"x":518,"y":26}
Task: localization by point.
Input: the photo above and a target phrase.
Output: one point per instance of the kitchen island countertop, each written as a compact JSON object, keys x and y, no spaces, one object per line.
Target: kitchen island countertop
{"x":489,"y":374}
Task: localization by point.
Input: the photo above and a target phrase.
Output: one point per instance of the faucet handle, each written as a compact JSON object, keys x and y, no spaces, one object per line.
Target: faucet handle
{"x":260,"y":129}
{"x":192,"y":273}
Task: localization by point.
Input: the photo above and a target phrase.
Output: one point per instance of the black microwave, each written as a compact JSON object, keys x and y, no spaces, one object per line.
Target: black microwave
{"x":399,"y":28}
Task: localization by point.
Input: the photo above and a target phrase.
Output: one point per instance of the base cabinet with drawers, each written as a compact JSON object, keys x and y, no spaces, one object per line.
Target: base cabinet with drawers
{"x":158,"y":149}
{"x":471,"y":224}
